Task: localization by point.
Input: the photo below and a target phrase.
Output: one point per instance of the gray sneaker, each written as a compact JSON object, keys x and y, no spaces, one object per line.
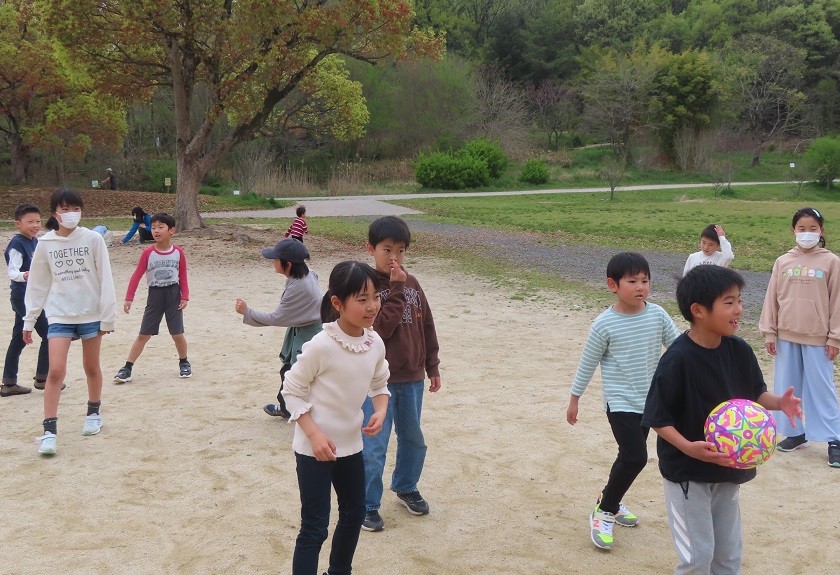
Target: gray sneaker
{"x":123,"y":375}
{"x":792,"y":443}
{"x":373,"y":521}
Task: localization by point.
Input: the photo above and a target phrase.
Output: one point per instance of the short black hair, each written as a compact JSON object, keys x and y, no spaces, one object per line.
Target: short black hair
{"x":704,"y":285}
{"x":389,"y":228}
{"x":66,"y":198}
{"x":710,"y":233}
{"x":300,"y":211}
{"x":299,"y":270}
{"x":627,"y":264}
{"x":165,"y":219}
{"x":24,"y":209}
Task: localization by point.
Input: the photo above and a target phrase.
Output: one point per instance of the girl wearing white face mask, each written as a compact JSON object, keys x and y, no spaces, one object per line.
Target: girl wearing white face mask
{"x":70,"y":279}
{"x":800,"y":322}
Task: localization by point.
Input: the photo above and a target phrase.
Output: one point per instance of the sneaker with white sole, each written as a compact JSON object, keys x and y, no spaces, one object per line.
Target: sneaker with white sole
{"x":93,"y":424}
{"x":373,"y":521}
{"x":184,"y":368}
{"x":48,"y":443}
{"x":414,"y":502}
{"x":624,"y":517}
{"x":601,"y":528}
{"x":123,"y":375}
{"x":792,"y":443}
{"x":834,"y":453}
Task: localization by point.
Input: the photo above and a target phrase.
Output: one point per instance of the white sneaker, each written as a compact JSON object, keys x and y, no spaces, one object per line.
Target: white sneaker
{"x":47,"y":443}
{"x":93,"y":423}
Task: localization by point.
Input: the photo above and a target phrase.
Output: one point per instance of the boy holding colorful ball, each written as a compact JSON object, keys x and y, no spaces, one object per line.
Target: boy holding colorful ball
{"x":704,"y":367}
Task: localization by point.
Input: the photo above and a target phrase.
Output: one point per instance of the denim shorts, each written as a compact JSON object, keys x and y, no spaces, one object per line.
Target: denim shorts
{"x":74,"y":330}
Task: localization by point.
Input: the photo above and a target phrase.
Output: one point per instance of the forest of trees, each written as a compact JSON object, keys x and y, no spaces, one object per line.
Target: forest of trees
{"x":230,"y":89}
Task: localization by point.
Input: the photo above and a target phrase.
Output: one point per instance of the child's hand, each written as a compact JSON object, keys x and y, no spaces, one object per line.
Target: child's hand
{"x":26,"y":276}
{"x":831,"y":352}
{"x":183,"y":304}
{"x":397,"y":273}
{"x":770,"y":346}
{"x":240,"y":306}
{"x":27,"y":337}
{"x":105,"y":332}
{"x":792,"y":406}
{"x":705,"y":451}
{"x":374,"y":425}
{"x":322,"y":447}
{"x":127,"y":306}
{"x":434,"y":386}
{"x":719,"y":231}
{"x":572,"y":413}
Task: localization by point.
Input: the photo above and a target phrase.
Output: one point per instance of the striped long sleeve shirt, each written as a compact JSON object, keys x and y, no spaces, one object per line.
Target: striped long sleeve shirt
{"x":628,"y":348}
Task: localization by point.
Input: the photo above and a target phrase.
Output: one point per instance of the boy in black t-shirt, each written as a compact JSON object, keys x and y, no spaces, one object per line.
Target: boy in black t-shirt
{"x":705,"y":366}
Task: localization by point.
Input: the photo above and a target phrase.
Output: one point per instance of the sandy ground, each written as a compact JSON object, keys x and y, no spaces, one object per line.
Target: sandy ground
{"x":190,"y":476}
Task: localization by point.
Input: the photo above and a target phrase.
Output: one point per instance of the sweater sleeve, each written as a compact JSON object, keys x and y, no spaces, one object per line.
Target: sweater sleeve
{"x":131,"y":232}
{"x":289,"y":311}
{"x":768,"y":323}
{"x":298,"y":379}
{"x":430,"y":335}
{"x":182,"y":275}
{"x":688,"y":266}
{"x":726,"y":251}
{"x":834,"y":304}
{"x":15,"y":261}
{"x":139,"y":271}
{"x":37,"y":288}
{"x":379,"y":382}
{"x":391,"y":313}
{"x":107,"y":293}
{"x":593,"y":351}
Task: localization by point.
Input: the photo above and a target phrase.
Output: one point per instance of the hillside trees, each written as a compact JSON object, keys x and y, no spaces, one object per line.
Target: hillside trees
{"x":46,"y":103}
{"x":258,"y":63}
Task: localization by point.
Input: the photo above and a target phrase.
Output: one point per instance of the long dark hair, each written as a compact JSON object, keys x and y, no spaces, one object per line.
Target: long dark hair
{"x":809,"y":213}
{"x":346,"y":280}
{"x":138,"y":214}
{"x":63,"y":197}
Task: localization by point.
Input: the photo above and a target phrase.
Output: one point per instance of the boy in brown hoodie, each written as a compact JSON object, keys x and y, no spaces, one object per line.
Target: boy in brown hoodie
{"x":405,"y":324}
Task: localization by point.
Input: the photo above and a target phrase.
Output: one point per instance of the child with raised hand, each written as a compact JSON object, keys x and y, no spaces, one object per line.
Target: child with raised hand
{"x":165,"y":268}
{"x":18,"y":259}
{"x":298,"y":227}
{"x":70,"y":279}
{"x":406,"y":325}
{"x":338,"y":369}
{"x":299,"y":310}
{"x":712,"y":239}
{"x":704,"y":367}
{"x":626,"y":340}
{"x":800,"y":322}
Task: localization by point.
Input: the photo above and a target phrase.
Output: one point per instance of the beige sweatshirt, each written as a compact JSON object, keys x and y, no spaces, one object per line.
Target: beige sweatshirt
{"x":802,"y":304}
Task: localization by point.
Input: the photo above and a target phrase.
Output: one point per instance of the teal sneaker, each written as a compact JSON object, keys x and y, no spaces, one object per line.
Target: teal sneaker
{"x":601,"y":528}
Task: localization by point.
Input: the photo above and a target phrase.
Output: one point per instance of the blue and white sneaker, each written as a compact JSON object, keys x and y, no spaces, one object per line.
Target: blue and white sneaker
{"x":93,"y":424}
{"x":48,"y":445}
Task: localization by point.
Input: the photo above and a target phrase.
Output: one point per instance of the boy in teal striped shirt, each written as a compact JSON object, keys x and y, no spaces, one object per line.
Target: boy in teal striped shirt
{"x":627,"y":340}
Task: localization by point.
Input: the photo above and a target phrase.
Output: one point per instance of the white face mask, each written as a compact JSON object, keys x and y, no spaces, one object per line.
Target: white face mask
{"x":807,"y":239}
{"x":70,"y":220}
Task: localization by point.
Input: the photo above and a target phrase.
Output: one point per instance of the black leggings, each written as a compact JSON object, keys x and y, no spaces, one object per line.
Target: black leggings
{"x":286,"y":367}
{"x":631,"y":437}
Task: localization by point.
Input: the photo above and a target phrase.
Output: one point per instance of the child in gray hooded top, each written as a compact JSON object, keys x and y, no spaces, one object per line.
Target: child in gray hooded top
{"x":299,"y":309}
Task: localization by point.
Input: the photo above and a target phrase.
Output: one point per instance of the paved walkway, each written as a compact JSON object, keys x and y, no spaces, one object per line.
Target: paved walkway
{"x":377,"y":205}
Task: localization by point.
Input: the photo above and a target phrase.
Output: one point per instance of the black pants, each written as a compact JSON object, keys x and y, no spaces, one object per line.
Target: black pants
{"x":631,"y":437}
{"x":16,"y":345}
{"x":145,"y":235}
{"x":286,"y":367}
{"x":347,"y":476}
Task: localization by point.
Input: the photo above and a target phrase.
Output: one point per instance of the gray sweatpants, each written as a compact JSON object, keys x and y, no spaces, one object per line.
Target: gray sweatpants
{"x":705,"y":521}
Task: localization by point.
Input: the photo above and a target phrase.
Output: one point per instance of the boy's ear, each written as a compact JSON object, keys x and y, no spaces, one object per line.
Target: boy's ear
{"x":698,"y":311}
{"x":612,"y":284}
{"x":370,"y":248}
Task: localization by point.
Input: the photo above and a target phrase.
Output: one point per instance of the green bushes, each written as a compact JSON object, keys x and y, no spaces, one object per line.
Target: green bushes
{"x":824,"y":156}
{"x":472,"y":166}
{"x":534,"y":172}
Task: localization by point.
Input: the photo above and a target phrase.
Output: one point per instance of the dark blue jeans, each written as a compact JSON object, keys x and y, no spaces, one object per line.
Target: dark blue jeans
{"x":347,"y":476}
{"x":10,"y":368}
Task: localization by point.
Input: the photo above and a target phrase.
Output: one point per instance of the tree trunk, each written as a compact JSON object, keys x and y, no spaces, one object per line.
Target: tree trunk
{"x":19,"y":159}
{"x":756,"y":159}
{"x":187,"y":216}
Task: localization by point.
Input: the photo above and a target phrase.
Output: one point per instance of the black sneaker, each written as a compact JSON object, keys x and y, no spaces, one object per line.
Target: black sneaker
{"x":186,"y":370}
{"x":834,"y":453}
{"x":123,"y":375}
{"x":414,"y":502}
{"x":793,"y":442}
{"x":276,"y":410}
{"x":373,"y":521}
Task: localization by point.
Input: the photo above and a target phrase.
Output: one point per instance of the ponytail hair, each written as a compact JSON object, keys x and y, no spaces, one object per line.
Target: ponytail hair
{"x":63,"y":197}
{"x":809,"y":213}
{"x":346,"y":280}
